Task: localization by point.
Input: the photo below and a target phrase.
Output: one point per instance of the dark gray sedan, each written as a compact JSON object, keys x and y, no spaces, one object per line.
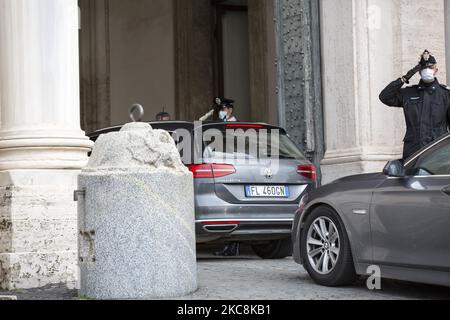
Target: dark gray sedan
{"x":398,"y":220}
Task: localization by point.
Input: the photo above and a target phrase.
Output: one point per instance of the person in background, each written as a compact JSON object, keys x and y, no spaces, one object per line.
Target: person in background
{"x":163,"y":116}
{"x":213,"y":114}
{"x":222,"y":111}
{"x":230,"y":250}
{"x":219,"y":110}
{"x":227,"y":113}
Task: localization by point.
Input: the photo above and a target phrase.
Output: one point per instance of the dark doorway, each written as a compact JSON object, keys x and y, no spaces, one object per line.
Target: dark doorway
{"x":225,"y":48}
{"x":232,"y":47}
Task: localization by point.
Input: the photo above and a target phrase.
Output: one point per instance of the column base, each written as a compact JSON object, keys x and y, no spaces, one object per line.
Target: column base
{"x":43,"y":152}
{"x":38,"y":229}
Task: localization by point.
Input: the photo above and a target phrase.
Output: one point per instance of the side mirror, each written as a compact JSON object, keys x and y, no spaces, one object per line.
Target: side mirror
{"x":395,"y":169}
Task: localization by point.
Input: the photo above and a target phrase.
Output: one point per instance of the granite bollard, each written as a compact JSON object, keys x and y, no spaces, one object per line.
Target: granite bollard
{"x":136,"y":218}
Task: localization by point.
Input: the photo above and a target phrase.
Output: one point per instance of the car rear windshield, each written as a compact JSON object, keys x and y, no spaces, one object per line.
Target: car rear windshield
{"x":252,"y":144}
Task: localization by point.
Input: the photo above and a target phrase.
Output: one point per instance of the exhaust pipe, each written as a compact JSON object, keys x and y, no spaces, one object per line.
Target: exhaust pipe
{"x":220,"y":228}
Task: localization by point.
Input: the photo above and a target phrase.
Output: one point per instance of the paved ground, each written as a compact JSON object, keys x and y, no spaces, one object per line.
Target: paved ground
{"x":247,"y":278}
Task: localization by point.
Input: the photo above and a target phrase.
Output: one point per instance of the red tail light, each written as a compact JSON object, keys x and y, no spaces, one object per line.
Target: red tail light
{"x":223,"y":170}
{"x":209,"y":171}
{"x":309,"y":172}
{"x":201,"y":171}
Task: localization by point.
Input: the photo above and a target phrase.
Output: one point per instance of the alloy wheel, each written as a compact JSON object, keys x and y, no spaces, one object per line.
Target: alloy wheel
{"x":323,"y":245}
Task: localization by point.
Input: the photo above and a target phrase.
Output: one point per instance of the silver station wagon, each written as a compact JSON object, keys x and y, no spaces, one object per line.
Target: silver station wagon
{"x":249,"y":179}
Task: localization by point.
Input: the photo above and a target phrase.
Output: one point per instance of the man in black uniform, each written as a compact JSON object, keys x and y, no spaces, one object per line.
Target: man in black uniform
{"x":426,"y":105}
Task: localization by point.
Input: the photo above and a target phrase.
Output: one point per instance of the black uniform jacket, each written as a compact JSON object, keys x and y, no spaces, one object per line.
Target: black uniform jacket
{"x":426,"y":108}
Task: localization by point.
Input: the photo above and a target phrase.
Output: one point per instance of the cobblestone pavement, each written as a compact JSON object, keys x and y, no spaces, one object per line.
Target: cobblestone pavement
{"x":248,"y":278}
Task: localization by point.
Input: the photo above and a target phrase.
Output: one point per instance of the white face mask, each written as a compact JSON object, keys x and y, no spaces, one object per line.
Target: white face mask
{"x":223,"y":115}
{"x":427,"y":75}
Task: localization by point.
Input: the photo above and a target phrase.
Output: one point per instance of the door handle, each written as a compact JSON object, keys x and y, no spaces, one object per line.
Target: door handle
{"x":446,"y":190}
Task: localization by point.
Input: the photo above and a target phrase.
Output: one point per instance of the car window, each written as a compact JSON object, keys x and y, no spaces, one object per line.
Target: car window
{"x":435,"y":161}
{"x":283,"y":147}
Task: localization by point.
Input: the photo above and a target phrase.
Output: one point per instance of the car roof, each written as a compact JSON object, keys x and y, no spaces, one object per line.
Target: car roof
{"x":172,"y":126}
{"x":240,"y":125}
{"x":163,"y":125}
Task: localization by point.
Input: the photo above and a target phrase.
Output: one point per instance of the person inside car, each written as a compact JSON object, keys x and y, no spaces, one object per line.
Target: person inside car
{"x":163,"y":116}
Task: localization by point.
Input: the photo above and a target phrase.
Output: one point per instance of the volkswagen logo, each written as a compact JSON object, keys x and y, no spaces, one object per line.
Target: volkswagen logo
{"x":268,"y":173}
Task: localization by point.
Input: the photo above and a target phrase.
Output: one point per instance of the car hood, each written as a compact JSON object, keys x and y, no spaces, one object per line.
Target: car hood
{"x":361,"y":177}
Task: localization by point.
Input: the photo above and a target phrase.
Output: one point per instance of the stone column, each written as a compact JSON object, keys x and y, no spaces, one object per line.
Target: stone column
{"x":95,"y":60}
{"x":194,"y":58}
{"x":259,"y":91}
{"x":365,"y":46}
{"x":42,"y":147}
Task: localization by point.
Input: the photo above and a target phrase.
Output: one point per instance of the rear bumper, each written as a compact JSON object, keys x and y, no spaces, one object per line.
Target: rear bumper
{"x":220,"y":221}
{"x":243,"y":230}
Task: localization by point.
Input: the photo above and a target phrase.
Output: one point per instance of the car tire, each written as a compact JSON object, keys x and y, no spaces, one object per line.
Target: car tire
{"x":274,"y":250}
{"x":321,"y":262}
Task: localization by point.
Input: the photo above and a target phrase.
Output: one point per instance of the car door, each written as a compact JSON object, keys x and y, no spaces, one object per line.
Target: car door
{"x":410,"y":217}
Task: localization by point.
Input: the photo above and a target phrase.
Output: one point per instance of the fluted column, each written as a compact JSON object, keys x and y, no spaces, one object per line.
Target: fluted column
{"x":39,"y":85}
{"x":42,"y":147}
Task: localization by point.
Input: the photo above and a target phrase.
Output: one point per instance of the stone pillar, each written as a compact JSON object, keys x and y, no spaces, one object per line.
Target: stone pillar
{"x":365,"y":46}
{"x":258,"y":45}
{"x":95,"y":59}
{"x":42,"y":147}
{"x":194,"y":58}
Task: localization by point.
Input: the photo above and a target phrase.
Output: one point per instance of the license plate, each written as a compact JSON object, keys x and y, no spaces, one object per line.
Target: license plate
{"x":267,"y":192}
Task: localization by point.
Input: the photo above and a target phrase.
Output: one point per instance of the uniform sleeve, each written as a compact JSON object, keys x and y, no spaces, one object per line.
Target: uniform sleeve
{"x":207,"y":116}
{"x":392,"y":94}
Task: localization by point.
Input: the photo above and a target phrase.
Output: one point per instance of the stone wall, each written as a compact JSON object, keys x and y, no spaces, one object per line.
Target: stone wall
{"x":127,"y":56}
{"x":142,"y":57}
{"x":38,"y":229}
